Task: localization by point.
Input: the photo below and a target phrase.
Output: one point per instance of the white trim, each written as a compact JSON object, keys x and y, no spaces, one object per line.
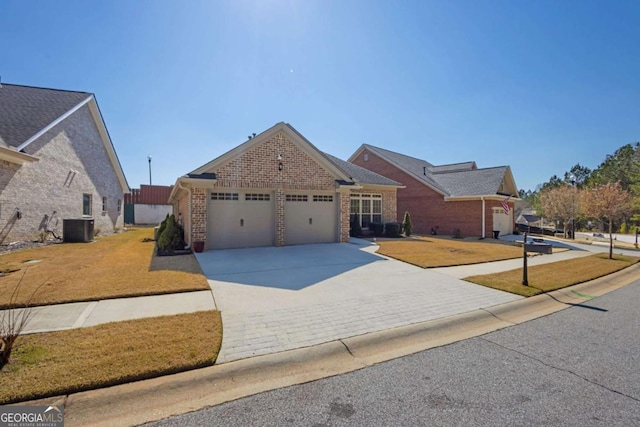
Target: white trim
{"x":52,"y":124}
{"x":12,"y":156}
{"x":484,"y":227}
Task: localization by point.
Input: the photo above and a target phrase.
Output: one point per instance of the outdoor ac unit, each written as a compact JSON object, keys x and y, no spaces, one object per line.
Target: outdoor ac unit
{"x":77,"y":230}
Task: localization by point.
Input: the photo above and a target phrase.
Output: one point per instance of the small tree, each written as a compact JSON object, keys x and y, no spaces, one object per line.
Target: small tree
{"x":608,"y":201}
{"x":407,"y":226}
{"x":560,"y":203}
{"x":171,"y":237}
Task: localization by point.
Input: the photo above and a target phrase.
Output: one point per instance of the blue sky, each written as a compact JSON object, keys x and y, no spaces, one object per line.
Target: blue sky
{"x":537,"y":85}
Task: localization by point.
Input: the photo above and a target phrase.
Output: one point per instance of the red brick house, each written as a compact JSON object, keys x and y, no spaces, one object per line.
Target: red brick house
{"x":446,"y":198}
{"x":278,"y":189}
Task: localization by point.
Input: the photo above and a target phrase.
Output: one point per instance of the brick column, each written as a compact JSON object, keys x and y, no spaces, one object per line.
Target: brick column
{"x":345,"y":207}
{"x":199,"y":214}
{"x":280,"y":217}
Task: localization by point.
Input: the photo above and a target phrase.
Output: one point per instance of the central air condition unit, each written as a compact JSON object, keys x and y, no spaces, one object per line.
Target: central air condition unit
{"x":77,"y":230}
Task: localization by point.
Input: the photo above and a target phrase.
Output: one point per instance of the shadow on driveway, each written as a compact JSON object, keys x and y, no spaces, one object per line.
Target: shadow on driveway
{"x":288,"y":267}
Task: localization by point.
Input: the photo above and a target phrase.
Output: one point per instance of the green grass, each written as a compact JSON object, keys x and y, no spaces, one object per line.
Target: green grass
{"x":556,"y":275}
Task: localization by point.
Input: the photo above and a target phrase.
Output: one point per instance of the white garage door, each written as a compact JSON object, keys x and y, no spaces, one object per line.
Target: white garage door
{"x":240,"y":219}
{"x":310,"y":218}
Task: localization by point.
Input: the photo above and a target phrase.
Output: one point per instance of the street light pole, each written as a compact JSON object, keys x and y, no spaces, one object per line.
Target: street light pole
{"x":149,"y":157}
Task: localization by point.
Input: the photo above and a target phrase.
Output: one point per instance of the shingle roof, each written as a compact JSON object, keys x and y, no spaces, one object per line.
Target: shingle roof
{"x":453,"y":180}
{"x":25,"y":110}
{"x":361,"y":174}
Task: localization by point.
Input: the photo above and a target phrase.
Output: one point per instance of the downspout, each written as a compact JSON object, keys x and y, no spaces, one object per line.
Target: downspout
{"x":188,"y":189}
{"x":483,"y":217}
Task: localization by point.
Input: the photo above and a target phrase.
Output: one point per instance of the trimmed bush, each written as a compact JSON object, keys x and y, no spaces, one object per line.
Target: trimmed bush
{"x":377,"y":228}
{"x":163,"y":225}
{"x":407,"y":226}
{"x":392,"y":229}
{"x":171,"y":238}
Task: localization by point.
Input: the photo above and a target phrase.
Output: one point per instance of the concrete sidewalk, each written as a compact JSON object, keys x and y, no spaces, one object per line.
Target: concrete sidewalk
{"x":83,"y":314}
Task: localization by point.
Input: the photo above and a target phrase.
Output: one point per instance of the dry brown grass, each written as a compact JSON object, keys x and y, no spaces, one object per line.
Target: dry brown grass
{"x":120,"y":265}
{"x":556,"y":275}
{"x":441,"y":252}
{"x":55,"y":363}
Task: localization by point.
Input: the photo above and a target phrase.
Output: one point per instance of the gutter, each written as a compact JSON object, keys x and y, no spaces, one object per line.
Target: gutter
{"x":483,"y":217}
{"x":188,"y":189}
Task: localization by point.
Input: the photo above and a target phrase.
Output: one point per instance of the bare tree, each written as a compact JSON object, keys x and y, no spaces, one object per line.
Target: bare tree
{"x":13,"y":321}
{"x":560,"y":203}
{"x":607,"y":201}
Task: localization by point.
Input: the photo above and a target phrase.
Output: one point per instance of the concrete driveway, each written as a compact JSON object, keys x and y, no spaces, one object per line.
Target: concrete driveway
{"x":275,"y":299}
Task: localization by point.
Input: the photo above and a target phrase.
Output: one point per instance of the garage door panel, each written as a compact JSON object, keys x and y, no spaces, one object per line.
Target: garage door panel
{"x":310,"y":218}
{"x":242,"y":222}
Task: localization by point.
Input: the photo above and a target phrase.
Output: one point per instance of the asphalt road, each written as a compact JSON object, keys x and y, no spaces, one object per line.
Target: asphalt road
{"x":578,"y":367}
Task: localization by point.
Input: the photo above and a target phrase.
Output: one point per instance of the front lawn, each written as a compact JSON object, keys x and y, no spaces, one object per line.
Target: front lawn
{"x":441,"y":252}
{"x":555,"y":275}
{"x":121,"y":265}
{"x":55,"y":363}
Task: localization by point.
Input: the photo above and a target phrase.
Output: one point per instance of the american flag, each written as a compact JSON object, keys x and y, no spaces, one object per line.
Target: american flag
{"x":505,"y":205}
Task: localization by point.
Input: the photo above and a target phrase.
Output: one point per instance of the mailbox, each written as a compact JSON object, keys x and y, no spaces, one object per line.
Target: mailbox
{"x":541,"y":248}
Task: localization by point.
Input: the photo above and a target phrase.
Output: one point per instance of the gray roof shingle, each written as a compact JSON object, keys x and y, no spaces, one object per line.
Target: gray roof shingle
{"x":361,"y":174}
{"x":25,"y":110}
{"x":453,"y":180}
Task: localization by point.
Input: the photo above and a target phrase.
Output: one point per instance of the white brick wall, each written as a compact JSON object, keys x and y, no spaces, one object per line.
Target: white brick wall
{"x":73,"y":161}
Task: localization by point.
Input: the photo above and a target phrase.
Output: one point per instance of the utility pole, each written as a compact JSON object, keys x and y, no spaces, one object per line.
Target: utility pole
{"x":149,"y":157}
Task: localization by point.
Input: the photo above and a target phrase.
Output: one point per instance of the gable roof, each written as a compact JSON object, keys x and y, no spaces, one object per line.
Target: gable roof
{"x":27,"y":112}
{"x":342,"y":171}
{"x":456,"y":180}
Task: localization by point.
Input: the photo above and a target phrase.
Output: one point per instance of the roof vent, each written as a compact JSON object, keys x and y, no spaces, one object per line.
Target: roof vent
{"x":424,"y":170}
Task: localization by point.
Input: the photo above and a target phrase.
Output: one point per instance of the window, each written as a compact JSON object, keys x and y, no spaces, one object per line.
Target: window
{"x":264,"y":197}
{"x":86,"y":204}
{"x":104,"y":204}
{"x":320,"y":198}
{"x":296,"y":198}
{"x":119,"y":206}
{"x":224,"y":196}
{"x":368,"y":207}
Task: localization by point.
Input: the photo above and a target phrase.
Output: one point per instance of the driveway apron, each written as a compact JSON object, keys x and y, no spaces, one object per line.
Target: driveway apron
{"x":281,"y":298}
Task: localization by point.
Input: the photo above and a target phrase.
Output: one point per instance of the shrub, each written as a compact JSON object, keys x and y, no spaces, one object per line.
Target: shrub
{"x":392,"y":229}
{"x":377,"y":228}
{"x":355,"y":230}
{"x":407,"y":226}
{"x":171,"y":237}
{"x":163,"y":225}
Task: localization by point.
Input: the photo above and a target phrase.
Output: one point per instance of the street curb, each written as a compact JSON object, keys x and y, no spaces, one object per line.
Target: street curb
{"x":159,"y":398}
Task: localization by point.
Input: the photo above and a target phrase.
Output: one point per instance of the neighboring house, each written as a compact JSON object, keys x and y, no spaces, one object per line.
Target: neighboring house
{"x":56,"y":162}
{"x":448,"y":198}
{"x":278,"y":189}
{"x":147,"y":205}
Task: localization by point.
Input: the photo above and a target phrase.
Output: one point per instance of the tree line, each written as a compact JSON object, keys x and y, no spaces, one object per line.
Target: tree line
{"x":608,"y":195}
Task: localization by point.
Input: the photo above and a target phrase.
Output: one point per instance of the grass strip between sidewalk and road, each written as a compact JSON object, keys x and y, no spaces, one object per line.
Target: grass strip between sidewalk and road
{"x":441,"y":252}
{"x":115,"y":266}
{"x":56,"y":363}
{"x":555,"y":275}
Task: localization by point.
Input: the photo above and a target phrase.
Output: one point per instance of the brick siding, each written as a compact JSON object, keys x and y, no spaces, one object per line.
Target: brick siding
{"x":72,"y":161}
{"x":427,"y":207}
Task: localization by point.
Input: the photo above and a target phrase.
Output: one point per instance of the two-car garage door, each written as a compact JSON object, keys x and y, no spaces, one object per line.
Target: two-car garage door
{"x":242,"y":219}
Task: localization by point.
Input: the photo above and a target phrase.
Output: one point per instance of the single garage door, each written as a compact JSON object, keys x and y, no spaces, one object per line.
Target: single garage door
{"x":310,"y":218}
{"x":240,"y":219}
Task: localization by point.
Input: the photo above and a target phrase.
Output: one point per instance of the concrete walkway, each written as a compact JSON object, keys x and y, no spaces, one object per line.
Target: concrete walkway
{"x":83,"y":314}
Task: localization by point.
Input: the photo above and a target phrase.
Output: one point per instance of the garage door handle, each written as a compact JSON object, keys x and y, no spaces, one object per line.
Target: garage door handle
{"x":241,"y":222}
{"x":310,"y":221}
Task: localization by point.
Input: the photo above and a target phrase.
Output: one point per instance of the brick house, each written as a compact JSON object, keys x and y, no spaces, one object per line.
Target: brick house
{"x":56,"y":162}
{"x":278,"y":189}
{"x":446,"y":198}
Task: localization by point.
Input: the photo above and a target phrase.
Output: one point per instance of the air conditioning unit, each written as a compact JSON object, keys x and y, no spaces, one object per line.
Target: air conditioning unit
{"x":77,"y":230}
